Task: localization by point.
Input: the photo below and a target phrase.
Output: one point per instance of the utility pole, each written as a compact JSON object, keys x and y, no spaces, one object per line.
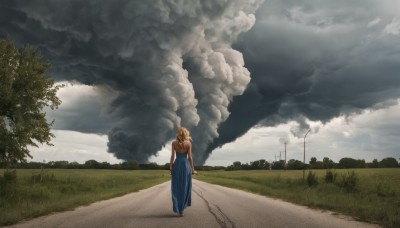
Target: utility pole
{"x":304,"y":159}
{"x":285,"y":154}
{"x":280,"y":159}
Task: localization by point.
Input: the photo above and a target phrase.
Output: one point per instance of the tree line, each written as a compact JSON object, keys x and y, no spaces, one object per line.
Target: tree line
{"x":292,"y":164}
{"x":89,"y":164}
{"x":326,"y":163}
{"x":93,"y":164}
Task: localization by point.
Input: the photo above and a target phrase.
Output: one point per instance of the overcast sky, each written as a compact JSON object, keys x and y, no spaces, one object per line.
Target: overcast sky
{"x":243,"y":76}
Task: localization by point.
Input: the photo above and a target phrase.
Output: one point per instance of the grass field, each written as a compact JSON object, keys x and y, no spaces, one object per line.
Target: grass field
{"x":37,"y":193}
{"x":375,"y":198}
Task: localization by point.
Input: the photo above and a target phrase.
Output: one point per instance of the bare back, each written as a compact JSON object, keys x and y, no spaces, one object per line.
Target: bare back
{"x":179,"y":148}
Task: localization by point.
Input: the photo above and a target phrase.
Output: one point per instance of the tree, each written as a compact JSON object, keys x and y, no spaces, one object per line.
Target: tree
{"x":60,"y":164}
{"x":374,"y":164}
{"x":278,"y":164}
{"x":313,"y":160}
{"x":150,"y":165}
{"x":314,"y":164}
{"x":237,"y":164}
{"x":295,"y":164}
{"x":348,"y":163}
{"x":92,"y":164}
{"x":388,"y":163}
{"x":264,"y":164}
{"x":255,"y":164}
{"x":25,"y":90}
{"x":328,"y":163}
{"x":130,"y":165}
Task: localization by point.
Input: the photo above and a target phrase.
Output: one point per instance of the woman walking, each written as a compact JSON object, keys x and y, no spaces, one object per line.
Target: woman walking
{"x":181,"y":171}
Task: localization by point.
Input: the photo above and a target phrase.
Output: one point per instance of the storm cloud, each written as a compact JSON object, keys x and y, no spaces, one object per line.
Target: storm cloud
{"x":211,"y":66}
{"x":313,"y":60}
{"x":139,"y":50}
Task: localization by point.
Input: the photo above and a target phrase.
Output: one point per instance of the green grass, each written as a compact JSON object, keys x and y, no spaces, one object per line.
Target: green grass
{"x":62,"y":189}
{"x":375,"y":199}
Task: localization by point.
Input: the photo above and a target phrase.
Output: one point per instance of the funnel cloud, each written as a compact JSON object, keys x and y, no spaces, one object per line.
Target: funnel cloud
{"x":216,"y":67}
{"x":170,"y":63}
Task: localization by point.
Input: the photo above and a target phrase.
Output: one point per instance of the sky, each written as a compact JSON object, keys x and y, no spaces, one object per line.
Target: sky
{"x":243,"y":76}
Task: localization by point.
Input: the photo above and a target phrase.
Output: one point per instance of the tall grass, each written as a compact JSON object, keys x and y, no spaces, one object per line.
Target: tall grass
{"x":37,"y":192}
{"x":371,"y":195}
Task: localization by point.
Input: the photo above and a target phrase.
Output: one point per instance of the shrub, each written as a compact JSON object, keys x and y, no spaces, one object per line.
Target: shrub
{"x":312,"y":179}
{"x":10,"y":176}
{"x":330,"y":176}
{"x":8,"y":181}
{"x":349,"y":181}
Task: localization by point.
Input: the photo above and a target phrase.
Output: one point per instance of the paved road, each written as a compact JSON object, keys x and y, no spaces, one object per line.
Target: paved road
{"x":212,"y":206}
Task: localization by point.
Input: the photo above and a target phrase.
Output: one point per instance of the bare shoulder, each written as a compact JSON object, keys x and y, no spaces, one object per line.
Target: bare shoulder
{"x":174,"y":144}
{"x":188,"y":144}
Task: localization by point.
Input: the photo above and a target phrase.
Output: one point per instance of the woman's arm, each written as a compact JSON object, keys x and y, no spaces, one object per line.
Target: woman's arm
{"x":191,"y":158}
{"x":171,"y":161}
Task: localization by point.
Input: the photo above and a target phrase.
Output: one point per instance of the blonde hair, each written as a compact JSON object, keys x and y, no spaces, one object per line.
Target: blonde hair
{"x":182,"y":135}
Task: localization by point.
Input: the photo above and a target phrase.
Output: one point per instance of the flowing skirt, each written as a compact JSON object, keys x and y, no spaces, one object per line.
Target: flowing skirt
{"x":181,"y":183}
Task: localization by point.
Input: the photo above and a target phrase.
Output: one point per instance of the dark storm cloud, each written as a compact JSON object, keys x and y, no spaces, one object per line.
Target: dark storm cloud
{"x":138,"y":49}
{"x":170,"y":63}
{"x":316,"y":60}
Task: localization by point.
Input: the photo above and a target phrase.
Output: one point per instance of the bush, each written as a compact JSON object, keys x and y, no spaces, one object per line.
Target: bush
{"x":8,"y":181}
{"x":312,"y":179}
{"x":349,"y":181}
{"x":10,"y":176}
{"x":330,"y":176}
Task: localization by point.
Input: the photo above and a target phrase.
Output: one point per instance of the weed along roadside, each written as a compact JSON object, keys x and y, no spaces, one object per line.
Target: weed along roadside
{"x":26,"y":193}
{"x":371,"y":195}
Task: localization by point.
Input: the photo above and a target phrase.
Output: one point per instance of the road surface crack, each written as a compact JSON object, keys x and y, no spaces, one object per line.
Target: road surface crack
{"x":216,"y":211}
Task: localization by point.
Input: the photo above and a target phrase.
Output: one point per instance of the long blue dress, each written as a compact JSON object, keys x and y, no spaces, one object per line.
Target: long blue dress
{"x":181,"y":183}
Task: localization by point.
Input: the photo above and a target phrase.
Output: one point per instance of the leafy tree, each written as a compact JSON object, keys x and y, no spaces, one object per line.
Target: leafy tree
{"x":151,"y":165}
{"x":388,"y":163}
{"x":328,"y":163}
{"x":351,"y":163}
{"x":314,"y":164}
{"x":92,"y":164}
{"x":313,"y":160}
{"x":317,"y":165}
{"x":105,"y":165}
{"x":74,"y":165}
{"x":237,"y":164}
{"x":133,"y":165}
{"x":278,"y":164}
{"x":264,"y":164}
{"x":295,"y":164}
{"x":374,"y":164}
{"x":25,"y":90}
{"x":245,"y":166}
{"x":255,"y":164}
{"x":60,"y":164}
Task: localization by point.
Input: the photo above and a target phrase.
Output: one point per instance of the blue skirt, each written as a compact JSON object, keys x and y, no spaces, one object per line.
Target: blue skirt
{"x":181,"y":183}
